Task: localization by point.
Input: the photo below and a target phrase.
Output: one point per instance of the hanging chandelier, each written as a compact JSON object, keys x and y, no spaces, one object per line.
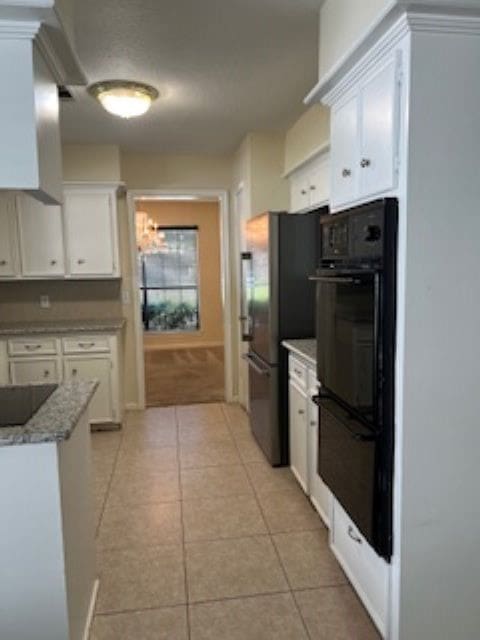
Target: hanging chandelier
{"x":150,"y":238}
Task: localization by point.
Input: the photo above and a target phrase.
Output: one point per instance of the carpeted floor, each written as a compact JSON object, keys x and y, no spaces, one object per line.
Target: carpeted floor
{"x":184,"y":376}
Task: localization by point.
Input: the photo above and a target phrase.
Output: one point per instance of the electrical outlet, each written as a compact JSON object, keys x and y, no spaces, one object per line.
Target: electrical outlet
{"x":45,"y":302}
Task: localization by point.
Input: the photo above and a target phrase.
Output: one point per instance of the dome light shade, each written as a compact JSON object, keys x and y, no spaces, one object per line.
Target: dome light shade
{"x":124,"y":98}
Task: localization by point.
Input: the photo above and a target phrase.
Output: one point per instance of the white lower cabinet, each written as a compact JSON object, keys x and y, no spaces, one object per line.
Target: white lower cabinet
{"x":57,"y":359}
{"x":320,"y":494}
{"x":368,"y":573}
{"x":88,"y":368}
{"x":298,"y":434}
{"x":27,"y":370}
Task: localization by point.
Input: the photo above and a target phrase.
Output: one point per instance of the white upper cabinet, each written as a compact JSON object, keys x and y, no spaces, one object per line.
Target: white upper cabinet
{"x":91,"y":232}
{"x":344,"y":151}
{"x":41,"y":238}
{"x":364,"y":132}
{"x":310,"y":183}
{"x":8,"y":236}
{"x":378,"y":117}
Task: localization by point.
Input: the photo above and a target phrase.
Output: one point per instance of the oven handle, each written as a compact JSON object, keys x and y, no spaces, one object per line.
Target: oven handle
{"x":335,"y":279}
{"x":251,"y":362}
{"x":361,"y":437}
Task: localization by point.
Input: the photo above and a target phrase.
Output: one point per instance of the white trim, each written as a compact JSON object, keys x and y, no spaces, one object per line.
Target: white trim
{"x":132,"y":406}
{"x":322,"y":149}
{"x":91,"y":610}
{"x":114,"y":186}
{"x":19,"y":30}
{"x":221,"y":195}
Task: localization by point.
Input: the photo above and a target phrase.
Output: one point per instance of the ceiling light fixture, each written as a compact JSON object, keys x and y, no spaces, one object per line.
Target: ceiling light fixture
{"x":124,"y":98}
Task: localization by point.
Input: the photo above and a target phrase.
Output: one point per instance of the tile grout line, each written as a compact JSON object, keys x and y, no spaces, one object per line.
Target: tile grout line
{"x":270,"y":534}
{"x":182,"y":523}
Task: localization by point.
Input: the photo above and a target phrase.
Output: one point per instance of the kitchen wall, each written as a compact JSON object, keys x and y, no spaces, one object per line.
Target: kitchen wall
{"x":309,"y":132}
{"x":86,"y":162}
{"x":204,"y":215}
{"x":342,"y":23}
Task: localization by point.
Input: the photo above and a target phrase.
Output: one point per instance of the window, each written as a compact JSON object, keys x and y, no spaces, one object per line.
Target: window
{"x":168,"y":276}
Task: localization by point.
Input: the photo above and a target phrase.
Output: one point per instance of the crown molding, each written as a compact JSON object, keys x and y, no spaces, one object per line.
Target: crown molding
{"x":19,"y":29}
{"x":393,"y":25}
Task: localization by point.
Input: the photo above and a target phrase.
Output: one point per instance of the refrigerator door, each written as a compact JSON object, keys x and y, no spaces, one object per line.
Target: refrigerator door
{"x":262,"y":244}
{"x":264,"y":419}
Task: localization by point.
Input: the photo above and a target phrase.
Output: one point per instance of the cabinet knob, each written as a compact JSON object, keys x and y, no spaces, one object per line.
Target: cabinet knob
{"x":53,"y":262}
{"x":303,"y":192}
{"x":3,"y":263}
{"x":74,"y":372}
{"x":313,"y":423}
{"x":301,"y":412}
{"x":80,"y":261}
{"x":346,"y":173}
{"x":365,"y":162}
{"x":312,"y":187}
{"x":354,"y":536}
{"x":46,"y":373}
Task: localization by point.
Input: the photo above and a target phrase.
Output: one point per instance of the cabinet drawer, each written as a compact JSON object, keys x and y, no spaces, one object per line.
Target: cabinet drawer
{"x":86,"y":344}
{"x":368,"y":573}
{"x":32,"y":346}
{"x":25,"y":371}
{"x":297,"y":371}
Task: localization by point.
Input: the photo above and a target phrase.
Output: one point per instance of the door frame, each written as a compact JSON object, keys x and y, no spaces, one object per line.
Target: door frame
{"x":221,"y":196}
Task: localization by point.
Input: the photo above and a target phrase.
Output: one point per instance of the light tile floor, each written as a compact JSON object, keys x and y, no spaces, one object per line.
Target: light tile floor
{"x":198,"y":538}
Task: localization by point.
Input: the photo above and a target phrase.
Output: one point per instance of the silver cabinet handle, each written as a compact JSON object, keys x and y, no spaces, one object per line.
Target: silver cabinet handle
{"x":346,"y":173}
{"x":313,"y":423}
{"x":301,"y":412}
{"x":365,"y":162}
{"x":86,"y":345}
{"x":303,"y":192}
{"x":33,"y":347}
{"x":53,"y":262}
{"x":74,"y":372}
{"x":46,"y":373}
{"x":312,"y":187}
{"x":3,"y":263}
{"x":354,"y":536}
{"x":80,"y":261}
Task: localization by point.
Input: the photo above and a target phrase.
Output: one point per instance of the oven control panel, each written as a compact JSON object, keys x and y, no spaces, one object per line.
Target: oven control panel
{"x":353,"y":235}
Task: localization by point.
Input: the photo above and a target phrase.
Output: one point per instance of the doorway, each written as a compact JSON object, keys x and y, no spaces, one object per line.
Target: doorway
{"x":181,"y":260}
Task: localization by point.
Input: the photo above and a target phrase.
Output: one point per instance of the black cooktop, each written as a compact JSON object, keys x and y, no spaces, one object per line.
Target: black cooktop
{"x":18,"y":403}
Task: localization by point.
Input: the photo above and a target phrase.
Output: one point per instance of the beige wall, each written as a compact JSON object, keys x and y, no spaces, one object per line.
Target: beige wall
{"x":155,"y":171}
{"x":204,"y":215}
{"x":342,"y":23}
{"x":87,"y":162}
{"x":309,"y":132}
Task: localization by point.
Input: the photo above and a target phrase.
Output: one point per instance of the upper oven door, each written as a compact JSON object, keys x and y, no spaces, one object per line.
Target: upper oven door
{"x":346,"y":338}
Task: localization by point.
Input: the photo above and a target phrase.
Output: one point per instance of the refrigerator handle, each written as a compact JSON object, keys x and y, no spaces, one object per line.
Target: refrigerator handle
{"x":245,"y":256}
{"x":251,"y":361}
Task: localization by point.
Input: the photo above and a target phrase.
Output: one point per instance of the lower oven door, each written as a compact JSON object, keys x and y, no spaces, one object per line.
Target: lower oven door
{"x":346,"y":463}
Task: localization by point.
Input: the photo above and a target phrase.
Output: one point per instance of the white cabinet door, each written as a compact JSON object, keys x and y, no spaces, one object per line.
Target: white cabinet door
{"x":90,"y":229}
{"x":319,"y":492}
{"x":41,"y":238}
{"x":101,"y":405}
{"x":299,"y":192}
{"x":298,"y":434}
{"x":319,"y":181}
{"x":8,"y":263}
{"x":344,"y":151}
{"x":378,"y":128}
{"x":25,"y":371}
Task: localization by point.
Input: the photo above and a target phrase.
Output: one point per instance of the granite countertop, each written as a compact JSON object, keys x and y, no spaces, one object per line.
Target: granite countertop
{"x":61,"y":326}
{"x":306,"y":349}
{"x":55,"y":419}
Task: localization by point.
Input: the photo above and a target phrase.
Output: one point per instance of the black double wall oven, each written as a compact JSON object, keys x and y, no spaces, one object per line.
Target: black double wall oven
{"x":356,"y":282}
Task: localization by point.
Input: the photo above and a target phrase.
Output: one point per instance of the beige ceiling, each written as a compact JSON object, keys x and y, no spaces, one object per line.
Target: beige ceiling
{"x":223,"y":68}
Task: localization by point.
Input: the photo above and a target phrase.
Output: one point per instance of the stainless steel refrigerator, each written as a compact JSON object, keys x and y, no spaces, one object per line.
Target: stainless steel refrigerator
{"x":278,"y":302}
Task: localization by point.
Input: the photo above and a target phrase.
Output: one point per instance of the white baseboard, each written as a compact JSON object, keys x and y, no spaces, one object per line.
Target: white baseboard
{"x":132,"y":406}
{"x":91,"y":609}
